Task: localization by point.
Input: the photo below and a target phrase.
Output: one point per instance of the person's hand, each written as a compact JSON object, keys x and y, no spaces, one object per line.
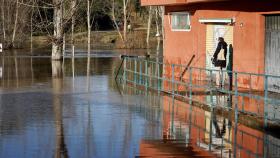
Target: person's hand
{"x":213,"y":60}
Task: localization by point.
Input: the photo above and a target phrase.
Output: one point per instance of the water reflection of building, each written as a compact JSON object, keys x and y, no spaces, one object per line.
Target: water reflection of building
{"x":204,"y":129}
{"x":189,"y":130}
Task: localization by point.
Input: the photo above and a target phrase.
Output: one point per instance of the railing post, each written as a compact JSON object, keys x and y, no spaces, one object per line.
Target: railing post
{"x":200,"y":75}
{"x":236,"y":94}
{"x":211,"y":98}
{"x":211,"y":129}
{"x":135,"y":72}
{"x":173,"y":79}
{"x":140,"y":74}
{"x":211,"y":73}
{"x":152,"y":73}
{"x":265,"y":99}
{"x":158,"y":77}
{"x":190,"y":85}
{"x":124,"y":70}
{"x":250,"y":83}
{"x":221,"y":78}
{"x":243,"y":104}
{"x":146,"y":74}
{"x":172,"y":116}
{"x":235,"y":138}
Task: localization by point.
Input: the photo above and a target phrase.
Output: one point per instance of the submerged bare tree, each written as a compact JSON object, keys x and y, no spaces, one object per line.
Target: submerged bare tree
{"x":125,"y":17}
{"x":161,"y":16}
{"x":156,"y":14}
{"x":63,"y":12}
{"x":57,"y":41}
{"x":73,"y":6}
{"x":149,"y":26}
{"x":88,"y":25}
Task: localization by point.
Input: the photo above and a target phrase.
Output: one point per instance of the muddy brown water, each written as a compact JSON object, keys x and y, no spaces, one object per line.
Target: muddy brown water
{"x":75,"y":109}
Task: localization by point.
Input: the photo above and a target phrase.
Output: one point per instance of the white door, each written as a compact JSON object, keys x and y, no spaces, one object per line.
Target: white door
{"x":213,"y":32}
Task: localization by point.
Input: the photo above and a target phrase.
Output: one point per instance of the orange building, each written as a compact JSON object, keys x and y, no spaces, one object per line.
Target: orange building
{"x":192,"y":27}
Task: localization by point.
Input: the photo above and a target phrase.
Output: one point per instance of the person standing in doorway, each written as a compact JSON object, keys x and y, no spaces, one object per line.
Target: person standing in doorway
{"x":219,"y":59}
{"x":221,"y":55}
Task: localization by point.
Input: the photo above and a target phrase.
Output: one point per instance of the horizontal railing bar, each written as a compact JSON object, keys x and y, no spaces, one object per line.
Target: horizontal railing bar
{"x":206,"y":69}
{"x":156,"y":78}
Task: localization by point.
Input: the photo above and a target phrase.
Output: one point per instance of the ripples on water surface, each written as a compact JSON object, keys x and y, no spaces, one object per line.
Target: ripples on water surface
{"x":75,"y":109}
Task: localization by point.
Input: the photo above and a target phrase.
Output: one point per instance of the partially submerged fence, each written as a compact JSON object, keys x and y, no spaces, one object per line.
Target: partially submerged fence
{"x":189,"y":125}
{"x":202,"y":85}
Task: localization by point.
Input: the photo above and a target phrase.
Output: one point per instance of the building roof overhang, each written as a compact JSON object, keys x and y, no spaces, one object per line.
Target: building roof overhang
{"x":174,"y":2}
{"x":221,"y":5}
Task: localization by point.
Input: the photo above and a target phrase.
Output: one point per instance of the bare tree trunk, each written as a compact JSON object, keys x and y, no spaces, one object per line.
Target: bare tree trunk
{"x":3,"y":20}
{"x":58,"y":30}
{"x":89,"y":31}
{"x":149,"y":27}
{"x":31,"y":28}
{"x":73,"y":6}
{"x":31,"y":43}
{"x":56,"y":71}
{"x":89,"y":25}
{"x":64,"y":42}
{"x":115,"y":21}
{"x":157,"y":22}
{"x":125,"y":3}
{"x":64,"y":45}
{"x":2,"y":74}
{"x":162,"y":10}
{"x":15,"y":25}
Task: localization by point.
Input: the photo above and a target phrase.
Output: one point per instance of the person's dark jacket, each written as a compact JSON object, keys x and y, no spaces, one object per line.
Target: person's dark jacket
{"x":221,"y":45}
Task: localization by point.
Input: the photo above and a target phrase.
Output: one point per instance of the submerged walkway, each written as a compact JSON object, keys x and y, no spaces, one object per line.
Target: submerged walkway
{"x":196,"y":87}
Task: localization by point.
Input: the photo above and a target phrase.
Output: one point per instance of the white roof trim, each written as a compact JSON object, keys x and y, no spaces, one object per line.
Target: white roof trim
{"x":217,"y":20}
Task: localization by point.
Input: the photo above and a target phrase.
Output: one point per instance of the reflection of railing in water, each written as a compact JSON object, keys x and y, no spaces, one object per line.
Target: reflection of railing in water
{"x":234,"y":132}
{"x":232,"y":140}
{"x":166,"y":77}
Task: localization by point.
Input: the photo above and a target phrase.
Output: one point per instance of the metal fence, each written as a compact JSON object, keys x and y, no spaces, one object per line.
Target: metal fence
{"x":198,"y":84}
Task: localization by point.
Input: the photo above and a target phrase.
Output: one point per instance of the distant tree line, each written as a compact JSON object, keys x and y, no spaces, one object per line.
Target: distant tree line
{"x":22,"y":19}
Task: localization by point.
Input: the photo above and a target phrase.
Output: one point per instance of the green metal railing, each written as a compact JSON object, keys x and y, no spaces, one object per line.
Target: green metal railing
{"x":198,"y":85}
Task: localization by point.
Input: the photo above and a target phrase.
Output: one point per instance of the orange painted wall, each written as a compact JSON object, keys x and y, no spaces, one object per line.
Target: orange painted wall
{"x":248,"y":41}
{"x":250,"y":140}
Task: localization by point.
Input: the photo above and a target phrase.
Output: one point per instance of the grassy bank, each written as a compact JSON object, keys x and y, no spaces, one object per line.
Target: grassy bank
{"x":104,"y":40}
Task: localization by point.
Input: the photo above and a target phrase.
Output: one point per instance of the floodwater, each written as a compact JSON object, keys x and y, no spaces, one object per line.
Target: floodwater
{"x":75,"y":109}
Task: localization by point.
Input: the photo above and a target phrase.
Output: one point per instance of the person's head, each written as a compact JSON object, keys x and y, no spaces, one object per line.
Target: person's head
{"x":221,"y":39}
